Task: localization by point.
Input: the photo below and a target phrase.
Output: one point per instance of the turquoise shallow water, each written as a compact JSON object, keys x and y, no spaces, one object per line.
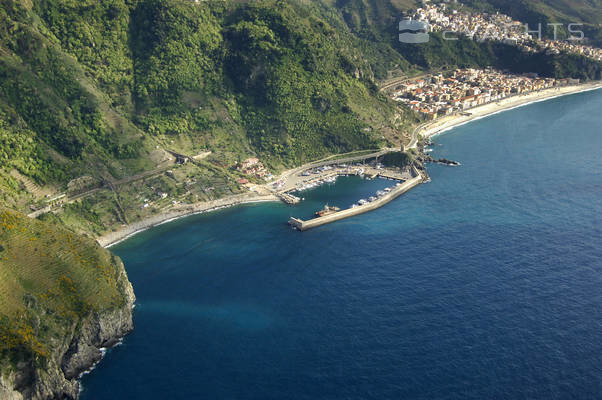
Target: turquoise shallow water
{"x":484,"y":284}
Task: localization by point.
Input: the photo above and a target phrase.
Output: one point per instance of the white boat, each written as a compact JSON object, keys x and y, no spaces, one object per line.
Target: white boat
{"x":371,"y":198}
{"x":361,"y":202}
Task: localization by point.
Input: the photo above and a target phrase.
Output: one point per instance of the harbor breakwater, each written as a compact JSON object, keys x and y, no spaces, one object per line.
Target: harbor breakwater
{"x":493,"y":264}
{"x":350,"y":212}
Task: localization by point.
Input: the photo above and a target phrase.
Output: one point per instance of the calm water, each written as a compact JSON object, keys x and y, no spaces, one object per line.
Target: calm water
{"x":484,"y":284}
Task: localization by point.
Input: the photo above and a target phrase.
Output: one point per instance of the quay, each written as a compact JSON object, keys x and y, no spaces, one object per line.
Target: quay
{"x":300,"y":182}
{"x":288,"y":198}
{"x":350,"y":212}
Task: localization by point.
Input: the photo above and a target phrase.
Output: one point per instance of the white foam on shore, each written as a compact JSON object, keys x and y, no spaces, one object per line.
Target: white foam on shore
{"x":168,"y":220}
{"x":129,"y":235}
{"x":103,"y":352}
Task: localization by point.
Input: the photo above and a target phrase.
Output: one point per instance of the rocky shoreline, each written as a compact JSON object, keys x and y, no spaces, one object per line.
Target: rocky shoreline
{"x":443,"y":161}
{"x":73,"y":355}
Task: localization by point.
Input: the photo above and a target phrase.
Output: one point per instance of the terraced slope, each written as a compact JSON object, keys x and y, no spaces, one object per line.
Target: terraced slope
{"x":61,"y":298}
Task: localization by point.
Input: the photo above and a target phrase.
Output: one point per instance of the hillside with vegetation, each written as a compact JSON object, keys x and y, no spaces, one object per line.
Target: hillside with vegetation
{"x":97,"y":97}
{"x":375,"y":22}
{"x":113,"y":111}
{"x":588,"y":13}
{"x":94,"y":92}
{"x":62,"y":297}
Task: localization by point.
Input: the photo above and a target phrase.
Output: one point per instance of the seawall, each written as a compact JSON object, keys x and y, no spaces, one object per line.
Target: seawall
{"x":350,"y":212}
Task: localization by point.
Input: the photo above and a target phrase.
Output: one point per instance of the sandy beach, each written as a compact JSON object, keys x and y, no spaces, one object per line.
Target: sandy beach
{"x":428,"y":130}
{"x":445,"y":123}
{"x":111,"y":238}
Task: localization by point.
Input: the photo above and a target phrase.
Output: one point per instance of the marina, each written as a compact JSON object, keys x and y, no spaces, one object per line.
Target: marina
{"x":290,"y":189}
{"x":313,"y":178}
{"x":331,"y":214}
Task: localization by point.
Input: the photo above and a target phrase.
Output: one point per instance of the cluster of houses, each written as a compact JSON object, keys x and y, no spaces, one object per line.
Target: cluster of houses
{"x":478,"y":26}
{"x":567,"y":46}
{"x":496,"y":27}
{"x":463,"y":89}
{"x":253,"y":167}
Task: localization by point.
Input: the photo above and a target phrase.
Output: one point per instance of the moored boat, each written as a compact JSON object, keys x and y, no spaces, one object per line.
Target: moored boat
{"x":327,"y":210}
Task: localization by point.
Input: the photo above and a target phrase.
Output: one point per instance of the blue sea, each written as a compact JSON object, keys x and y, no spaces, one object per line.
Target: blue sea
{"x":484,"y":284}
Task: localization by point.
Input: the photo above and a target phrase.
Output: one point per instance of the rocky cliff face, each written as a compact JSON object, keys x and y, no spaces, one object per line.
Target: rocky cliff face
{"x":73,"y":354}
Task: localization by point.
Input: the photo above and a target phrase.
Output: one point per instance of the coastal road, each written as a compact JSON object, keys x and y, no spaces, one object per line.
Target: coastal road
{"x":392,"y":83}
{"x":386,"y":85}
{"x":415,"y":135}
{"x":328,"y":161}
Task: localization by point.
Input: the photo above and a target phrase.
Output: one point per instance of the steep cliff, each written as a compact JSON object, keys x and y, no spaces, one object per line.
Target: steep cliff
{"x":63,"y":299}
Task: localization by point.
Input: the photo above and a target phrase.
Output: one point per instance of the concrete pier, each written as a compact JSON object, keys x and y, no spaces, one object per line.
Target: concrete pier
{"x":350,"y":212}
{"x":288,"y":198}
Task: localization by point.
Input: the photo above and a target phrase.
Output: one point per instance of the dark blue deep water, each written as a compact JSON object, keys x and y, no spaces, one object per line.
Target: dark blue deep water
{"x":484,"y":284}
